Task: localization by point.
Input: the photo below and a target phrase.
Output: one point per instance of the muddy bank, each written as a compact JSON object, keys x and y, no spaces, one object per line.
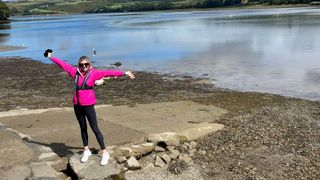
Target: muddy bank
{"x":266,"y":136}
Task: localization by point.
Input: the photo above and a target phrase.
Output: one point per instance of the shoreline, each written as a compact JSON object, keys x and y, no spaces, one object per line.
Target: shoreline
{"x":265,"y":136}
{"x":35,"y":75}
{"x":243,"y":7}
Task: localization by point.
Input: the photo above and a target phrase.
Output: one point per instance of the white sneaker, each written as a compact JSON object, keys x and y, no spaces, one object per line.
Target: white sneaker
{"x":85,"y":156}
{"x":105,"y":158}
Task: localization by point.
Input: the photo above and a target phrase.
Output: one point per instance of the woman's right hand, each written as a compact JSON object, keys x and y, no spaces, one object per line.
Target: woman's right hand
{"x":48,"y":53}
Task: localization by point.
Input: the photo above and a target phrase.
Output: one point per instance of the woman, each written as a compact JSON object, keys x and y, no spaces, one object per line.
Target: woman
{"x":84,"y":98}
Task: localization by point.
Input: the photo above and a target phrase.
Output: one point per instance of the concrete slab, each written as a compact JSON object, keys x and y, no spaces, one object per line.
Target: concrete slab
{"x":59,"y":129}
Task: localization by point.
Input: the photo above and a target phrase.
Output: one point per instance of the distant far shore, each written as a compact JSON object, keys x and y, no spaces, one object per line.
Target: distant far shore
{"x":10,"y":48}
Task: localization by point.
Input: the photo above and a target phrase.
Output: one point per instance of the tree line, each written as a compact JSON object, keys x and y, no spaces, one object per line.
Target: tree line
{"x":4,"y":11}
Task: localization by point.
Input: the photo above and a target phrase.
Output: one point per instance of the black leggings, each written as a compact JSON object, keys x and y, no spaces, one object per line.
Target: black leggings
{"x":88,"y":111}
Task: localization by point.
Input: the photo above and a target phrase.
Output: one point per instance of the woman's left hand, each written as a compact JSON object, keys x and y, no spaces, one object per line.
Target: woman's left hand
{"x":130,"y":74}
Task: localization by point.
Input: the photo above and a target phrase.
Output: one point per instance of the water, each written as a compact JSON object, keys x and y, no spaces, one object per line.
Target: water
{"x":267,"y":50}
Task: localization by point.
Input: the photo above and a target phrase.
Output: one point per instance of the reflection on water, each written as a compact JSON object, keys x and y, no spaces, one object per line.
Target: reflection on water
{"x":267,"y":50}
{"x":4,"y":36}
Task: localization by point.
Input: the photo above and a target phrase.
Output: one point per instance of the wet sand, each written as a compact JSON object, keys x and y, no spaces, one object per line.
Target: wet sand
{"x":266,"y":136}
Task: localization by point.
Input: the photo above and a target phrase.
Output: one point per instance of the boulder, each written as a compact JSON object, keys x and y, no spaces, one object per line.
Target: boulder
{"x":92,"y":168}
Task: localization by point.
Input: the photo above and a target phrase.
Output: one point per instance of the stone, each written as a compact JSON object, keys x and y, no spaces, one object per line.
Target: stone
{"x":120,"y":159}
{"x":59,"y":164}
{"x":92,"y":169}
{"x":22,"y":171}
{"x":122,"y":151}
{"x":43,"y":149}
{"x":13,"y":150}
{"x":140,"y":150}
{"x":192,"y":152}
{"x":185,"y":158}
{"x":166,"y":158}
{"x":47,"y":156}
{"x":193,"y":145}
{"x":174,"y":154}
{"x":159,"y":149}
{"x":159,"y":162}
{"x":170,"y":148}
{"x":43,"y":171}
{"x":202,"y":152}
{"x":132,"y":163}
{"x":169,"y":138}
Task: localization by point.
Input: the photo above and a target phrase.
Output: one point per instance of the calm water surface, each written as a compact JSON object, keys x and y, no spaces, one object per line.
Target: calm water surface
{"x":268,"y":50}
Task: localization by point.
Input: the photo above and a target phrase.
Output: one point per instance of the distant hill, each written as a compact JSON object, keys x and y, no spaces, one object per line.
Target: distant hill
{"x":97,"y":6}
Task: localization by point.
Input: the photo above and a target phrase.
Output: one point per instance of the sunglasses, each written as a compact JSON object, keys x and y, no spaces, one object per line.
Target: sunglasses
{"x":84,"y":64}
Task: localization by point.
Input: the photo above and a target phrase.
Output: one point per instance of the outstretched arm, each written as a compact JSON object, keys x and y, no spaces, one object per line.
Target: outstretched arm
{"x":105,"y":73}
{"x":63,"y":65}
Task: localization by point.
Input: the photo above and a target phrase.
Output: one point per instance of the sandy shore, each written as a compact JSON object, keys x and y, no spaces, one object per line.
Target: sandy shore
{"x":266,"y":136}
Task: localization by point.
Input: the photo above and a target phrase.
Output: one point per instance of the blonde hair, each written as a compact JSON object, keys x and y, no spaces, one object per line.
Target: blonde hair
{"x":82,"y":58}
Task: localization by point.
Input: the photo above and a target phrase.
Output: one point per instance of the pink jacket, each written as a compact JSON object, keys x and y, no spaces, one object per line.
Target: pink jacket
{"x":86,"y":97}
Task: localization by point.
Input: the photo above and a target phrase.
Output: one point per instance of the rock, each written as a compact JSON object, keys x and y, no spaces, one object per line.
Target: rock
{"x":169,"y":138}
{"x":13,"y":150}
{"x":166,"y":158}
{"x":43,"y":149}
{"x":92,"y":170}
{"x":191,"y":152}
{"x":174,"y":154}
{"x":170,"y":148}
{"x":59,"y":164}
{"x":125,"y":151}
{"x":159,"y":149}
{"x":47,"y":156}
{"x":159,"y":162}
{"x":202,"y":152}
{"x":140,"y":150}
{"x":185,"y":157}
{"x":17,"y":172}
{"x":192,"y":145}
{"x":43,"y":171}
{"x":21,"y":135}
{"x":132,"y":163}
{"x":120,"y":159}
{"x":146,"y":160}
